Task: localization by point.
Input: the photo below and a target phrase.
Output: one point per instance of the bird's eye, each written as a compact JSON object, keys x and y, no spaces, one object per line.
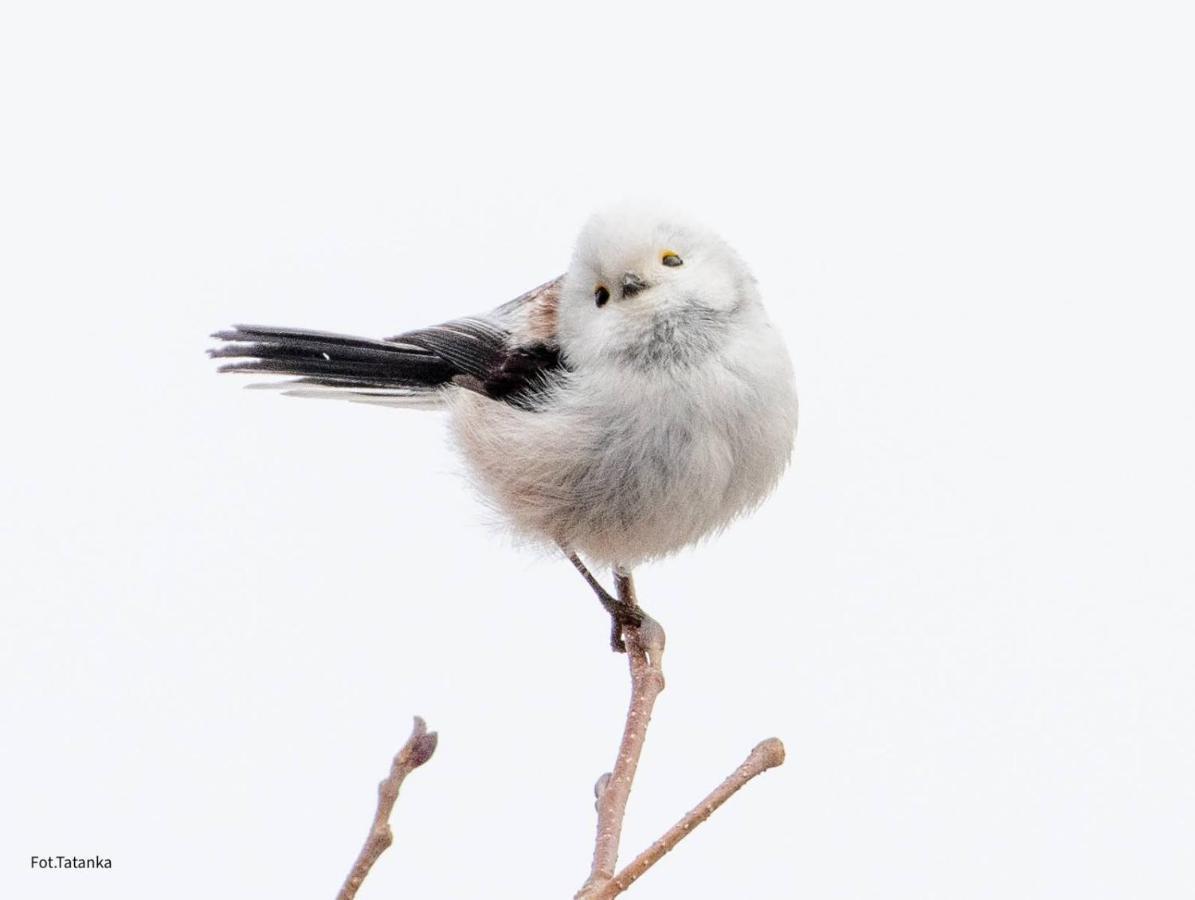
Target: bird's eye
{"x":671,"y":259}
{"x":601,"y":295}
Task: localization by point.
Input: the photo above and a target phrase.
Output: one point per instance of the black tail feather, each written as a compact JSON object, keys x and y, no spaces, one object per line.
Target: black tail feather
{"x":332,"y":360}
{"x":474,"y":353}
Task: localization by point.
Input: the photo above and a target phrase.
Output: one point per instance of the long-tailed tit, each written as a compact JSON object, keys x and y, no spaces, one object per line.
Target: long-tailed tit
{"x":633,"y":406}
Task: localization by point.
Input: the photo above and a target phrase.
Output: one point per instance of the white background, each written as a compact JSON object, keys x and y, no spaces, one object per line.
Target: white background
{"x":967,"y":611}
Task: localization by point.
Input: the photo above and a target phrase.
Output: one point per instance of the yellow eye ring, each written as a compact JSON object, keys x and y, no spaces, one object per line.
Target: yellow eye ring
{"x":671,"y":259}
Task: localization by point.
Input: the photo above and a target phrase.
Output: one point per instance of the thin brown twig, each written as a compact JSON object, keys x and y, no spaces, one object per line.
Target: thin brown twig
{"x":645,"y":647}
{"x":415,"y":752}
{"x":766,"y":755}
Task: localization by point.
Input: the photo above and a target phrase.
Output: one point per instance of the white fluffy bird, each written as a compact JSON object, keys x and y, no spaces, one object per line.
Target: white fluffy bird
{"x":631,"y":407}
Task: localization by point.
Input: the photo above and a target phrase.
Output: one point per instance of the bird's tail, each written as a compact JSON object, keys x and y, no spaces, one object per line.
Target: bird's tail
{"x":321,"y":364}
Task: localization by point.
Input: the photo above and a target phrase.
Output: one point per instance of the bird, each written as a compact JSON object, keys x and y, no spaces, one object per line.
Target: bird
{"x":634,"y":406}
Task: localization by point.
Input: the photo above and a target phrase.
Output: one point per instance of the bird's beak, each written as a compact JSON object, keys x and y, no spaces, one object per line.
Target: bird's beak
{"x":632,"y":284}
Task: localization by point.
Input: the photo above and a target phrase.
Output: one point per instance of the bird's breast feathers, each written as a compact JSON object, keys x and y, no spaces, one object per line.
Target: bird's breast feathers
{"x":628,"y":462}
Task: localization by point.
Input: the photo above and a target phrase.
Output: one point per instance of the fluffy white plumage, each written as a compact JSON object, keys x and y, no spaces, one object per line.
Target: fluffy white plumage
{"x":677,"y":412}
{"x":634,"y":406}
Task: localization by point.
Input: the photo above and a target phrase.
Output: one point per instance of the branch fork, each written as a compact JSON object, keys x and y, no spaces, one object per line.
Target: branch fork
{"x":644,"y":643}
{"x":645,"y":652}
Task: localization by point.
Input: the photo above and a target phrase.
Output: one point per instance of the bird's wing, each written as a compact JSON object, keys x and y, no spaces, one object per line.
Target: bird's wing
{"x":508,"y":355}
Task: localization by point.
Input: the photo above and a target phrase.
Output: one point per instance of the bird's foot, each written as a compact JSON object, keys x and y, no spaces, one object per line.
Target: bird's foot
{"x":622,"y":615}
{"x":624,"y":610}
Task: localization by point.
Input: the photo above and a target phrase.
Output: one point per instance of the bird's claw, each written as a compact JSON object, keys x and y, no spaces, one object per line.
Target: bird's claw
{"x":623,"y":616}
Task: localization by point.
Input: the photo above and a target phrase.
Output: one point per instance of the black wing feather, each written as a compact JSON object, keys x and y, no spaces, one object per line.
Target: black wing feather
{"x":474,"y":346}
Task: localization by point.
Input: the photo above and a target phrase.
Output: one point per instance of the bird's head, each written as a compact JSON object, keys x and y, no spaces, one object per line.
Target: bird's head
{"x":645,"y":286}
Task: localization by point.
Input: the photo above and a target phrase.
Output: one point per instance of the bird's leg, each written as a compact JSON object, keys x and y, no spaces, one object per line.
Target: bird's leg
{"x":624,"y":611}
